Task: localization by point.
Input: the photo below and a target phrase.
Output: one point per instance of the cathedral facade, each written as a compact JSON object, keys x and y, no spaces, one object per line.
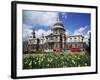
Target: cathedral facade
{"x":56,"y":39}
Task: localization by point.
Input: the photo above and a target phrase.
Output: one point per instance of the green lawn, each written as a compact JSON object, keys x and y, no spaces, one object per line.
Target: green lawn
{"x":55,"y":60}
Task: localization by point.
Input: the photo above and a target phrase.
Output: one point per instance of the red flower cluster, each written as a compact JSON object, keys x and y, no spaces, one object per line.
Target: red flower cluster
{"x":58,"y":49}
{"x":75,"y":49}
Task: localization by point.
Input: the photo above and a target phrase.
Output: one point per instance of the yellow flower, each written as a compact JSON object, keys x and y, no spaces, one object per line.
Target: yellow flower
{"x":35,"y":62}
{"x":78,"y":57}
{"x":78,"y":65}
{"x":85,"y":64}
{"x":37,"y":58}
{"x":75,"y":56}
{"x":30,"y":63}
{"x":73,"y":61}
{"x":62,"y":62}
{"x":56,"y":58}
{"x":61,"y":57}
{"x":39,"y":61}
{"x":41,"y":55}
{"x":64,"y":66}
{"x":48,"y":65}
{"x":25,"y":62}
{"x":50,"y":59}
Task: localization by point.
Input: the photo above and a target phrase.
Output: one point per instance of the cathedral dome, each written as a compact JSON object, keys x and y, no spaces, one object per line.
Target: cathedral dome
{"x":58,"y":27}
{"x":58,"y":24}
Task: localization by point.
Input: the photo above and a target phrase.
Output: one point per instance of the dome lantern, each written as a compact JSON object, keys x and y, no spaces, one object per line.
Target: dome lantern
{"x":58,"y":27}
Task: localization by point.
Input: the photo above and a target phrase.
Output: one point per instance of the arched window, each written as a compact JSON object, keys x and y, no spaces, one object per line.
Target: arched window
{"x":51,"y":37}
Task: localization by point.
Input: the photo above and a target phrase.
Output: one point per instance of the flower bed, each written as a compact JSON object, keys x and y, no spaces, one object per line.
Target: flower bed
{"x":54,"y":60}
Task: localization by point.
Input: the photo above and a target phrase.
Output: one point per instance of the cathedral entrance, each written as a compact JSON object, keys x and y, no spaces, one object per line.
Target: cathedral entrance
{"x":51,"y":45}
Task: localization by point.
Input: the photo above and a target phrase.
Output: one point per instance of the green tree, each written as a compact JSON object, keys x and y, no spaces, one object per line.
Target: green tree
{"x":89,"y":44}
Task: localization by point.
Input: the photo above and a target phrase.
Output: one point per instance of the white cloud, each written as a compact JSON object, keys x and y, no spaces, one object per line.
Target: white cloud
{"x":39,"y":18}
{"x":64,"y":15}
{"x":32,"y":19}
{"x":88,"y":32}
{"x":86,"y":36}
{"x":41,"y":32}
{"x":80,"y":31}
{"x":67,"y":33}
{"x":26,"y":31}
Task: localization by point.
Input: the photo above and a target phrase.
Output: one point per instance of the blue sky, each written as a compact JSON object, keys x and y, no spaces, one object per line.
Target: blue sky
{"x":42,"y":22}
{"x":76,"y":20}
